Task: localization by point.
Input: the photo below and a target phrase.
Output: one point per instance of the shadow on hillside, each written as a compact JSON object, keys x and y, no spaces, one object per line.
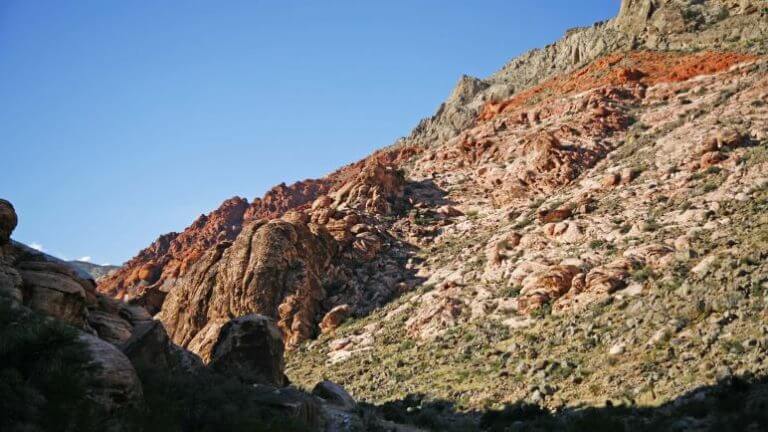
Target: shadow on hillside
{"x":413,"y":222}
{"x":734,"y":404}
{"x":427,"y":193}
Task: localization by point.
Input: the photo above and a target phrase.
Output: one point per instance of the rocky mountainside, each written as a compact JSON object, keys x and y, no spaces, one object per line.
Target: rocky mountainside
{"x":577,"y":242}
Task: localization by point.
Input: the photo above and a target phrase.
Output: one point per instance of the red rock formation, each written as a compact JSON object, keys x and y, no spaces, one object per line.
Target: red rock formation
{"x":638,"y":67}
{"x":141,"y":279}
{"x":171,"y":254}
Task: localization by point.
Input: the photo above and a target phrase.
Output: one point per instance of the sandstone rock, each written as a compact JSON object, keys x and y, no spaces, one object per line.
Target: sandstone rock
{"x":650,"y":254}
{"x":110,"y":327}
{"x":113,"y":384}
{"x":566,"y":232}
{"x":376,"y":189}
{"x":553,"y":216}
{"x":612,"y":179}
{"x":150,"y":347}
{"x":171,"y":254}
{"x":273,"y":268}
{"x":712,"y":158}
{"x":334,"y":394}
{"x":290,"y":403}
{"x":10,"y":282}
{"x":251,"y":349}
{"x":544,"y":286}
{"x":449,"y":211}
{"x":323,"y":201}
{"x":8,"y":221}
{"x":50,"y":288}
{"x":499,"y":250}
{"x":367,"y":244}
{"x":334,"y":318}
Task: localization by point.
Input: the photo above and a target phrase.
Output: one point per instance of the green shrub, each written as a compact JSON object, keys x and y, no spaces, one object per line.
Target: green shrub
{"x":43,"y":378}
{"x":204,"y":402}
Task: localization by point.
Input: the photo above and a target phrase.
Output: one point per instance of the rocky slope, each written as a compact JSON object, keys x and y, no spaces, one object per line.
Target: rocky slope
{"x":584,"y":227}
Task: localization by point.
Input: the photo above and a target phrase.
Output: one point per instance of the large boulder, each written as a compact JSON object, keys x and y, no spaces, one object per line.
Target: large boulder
{"x":334,"y":394}
{"x":50,"y":288}
{"x":114,"y":384}
{"x":251,"y":349}
{"x":150,"y":347}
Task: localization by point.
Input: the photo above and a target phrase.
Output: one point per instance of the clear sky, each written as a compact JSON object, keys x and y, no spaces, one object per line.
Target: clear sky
{"x":123,"y":120}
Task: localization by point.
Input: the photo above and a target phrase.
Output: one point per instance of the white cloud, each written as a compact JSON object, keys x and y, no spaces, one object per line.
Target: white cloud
{"x":85,"y":259}
{"x":37,"y":246}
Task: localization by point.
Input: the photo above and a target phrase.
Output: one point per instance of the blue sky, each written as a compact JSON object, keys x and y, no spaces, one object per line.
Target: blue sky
{"x":123,"y":120}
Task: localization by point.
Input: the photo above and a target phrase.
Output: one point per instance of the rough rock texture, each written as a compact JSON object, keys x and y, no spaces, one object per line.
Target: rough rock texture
{"x":114,"y":383}
{"x":8,"y":220}
{"x":171,"y":255}
{"x":251,"y":349}
{"x":273,"y":268}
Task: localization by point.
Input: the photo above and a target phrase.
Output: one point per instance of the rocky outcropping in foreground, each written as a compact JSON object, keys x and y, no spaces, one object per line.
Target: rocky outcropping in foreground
{"x":74,"y":359}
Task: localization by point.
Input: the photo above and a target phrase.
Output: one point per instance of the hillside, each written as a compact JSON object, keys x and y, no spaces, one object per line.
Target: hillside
{"x":586,"y":227}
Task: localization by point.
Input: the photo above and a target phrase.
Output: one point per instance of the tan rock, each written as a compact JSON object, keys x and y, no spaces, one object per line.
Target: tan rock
{"x":334,"y":318}
{"x":544,"y":286}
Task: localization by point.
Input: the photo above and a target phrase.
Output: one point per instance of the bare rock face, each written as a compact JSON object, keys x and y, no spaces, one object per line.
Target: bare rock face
{"x":8,"y":220}
{"x":273,"y":268}
{"x":171,"y":255}
{"x":282,"y":198}
{"x":251,"y":349}
{"x":375,"y":190}
{"x":53,"y":289}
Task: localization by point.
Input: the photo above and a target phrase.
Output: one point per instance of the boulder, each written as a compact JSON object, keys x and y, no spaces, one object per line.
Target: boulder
{"x":50,"y":288}
{"x":546,"y":285}
{"x":114,"y":384}
{"x":250,"y":348}
{"x":334,"y":318}
{"x":8,"y":221}
{"x":149,"y":346}
{"x":553,"y":216}
{"x":334,"y":394}
{"x":110,"y":327}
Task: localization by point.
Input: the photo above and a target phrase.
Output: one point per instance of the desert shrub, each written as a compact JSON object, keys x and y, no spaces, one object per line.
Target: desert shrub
{"x":43,"y":375}
{"x":206,"y":402}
